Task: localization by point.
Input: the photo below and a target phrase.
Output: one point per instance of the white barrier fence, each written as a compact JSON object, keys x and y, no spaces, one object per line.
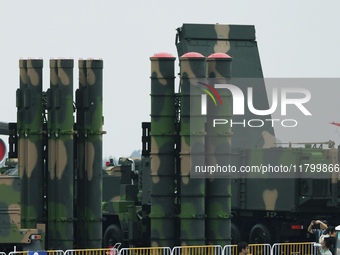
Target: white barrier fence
{"x":146,"y":251}
{"x":254,"y":249}
{"x":294,"y":249}
{"x":197,"y":250}
{"x":51,"y":252}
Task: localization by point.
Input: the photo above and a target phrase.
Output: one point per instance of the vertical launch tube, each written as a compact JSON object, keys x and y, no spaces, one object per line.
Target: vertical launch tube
{"x":64,"y":154}
{"x":51,"y":144}
{"x":192,"y":191}
{"x":163,"y":222}
{"x":32,"y":178}
{"x":60,"y":154}
{"x":21,"y":102}
{"x":89,"y":150}
{"x":218,"y":153}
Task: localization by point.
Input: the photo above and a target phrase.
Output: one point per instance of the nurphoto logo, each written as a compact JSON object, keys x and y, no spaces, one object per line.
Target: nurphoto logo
{"x":281,"y":98}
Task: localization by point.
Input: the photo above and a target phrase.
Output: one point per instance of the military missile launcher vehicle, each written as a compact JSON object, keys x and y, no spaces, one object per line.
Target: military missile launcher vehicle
{"x":64,"y":199}
{"x":265,"y":210}
{"x":182,"y":210}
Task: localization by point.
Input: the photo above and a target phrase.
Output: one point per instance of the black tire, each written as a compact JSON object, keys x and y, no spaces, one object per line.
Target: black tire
{"x":236,"y":235}
{"x":113,"y":234}
{"x":260,"y":234}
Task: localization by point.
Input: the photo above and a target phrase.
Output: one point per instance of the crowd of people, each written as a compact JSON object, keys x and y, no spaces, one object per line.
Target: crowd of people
{"x":325,"y":236}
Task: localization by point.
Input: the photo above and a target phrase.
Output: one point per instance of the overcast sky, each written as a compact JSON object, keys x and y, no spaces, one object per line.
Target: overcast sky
{"x":295,"y":39}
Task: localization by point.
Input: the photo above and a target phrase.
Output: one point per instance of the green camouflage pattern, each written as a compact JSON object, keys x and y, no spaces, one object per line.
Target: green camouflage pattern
{"x":272,"y":204}
{"x":162,"y":216}
{"x":45,"y":135}
{"x":218,"y":151}
{"x":300,"y":193}
{"x":81,"y":104}
{"x":192,"y":133}
{"x":52,"y":103}
{"x":159,"y":203}
{"x":60,"y":154}
{"x":11,"y":231}
{"x":121,"y":205}
{"x":29,"y":101}
{"x":30,"y":143}
{"x":89,"y":187}
{"x":22,"y":105}
{"x":239,"y":42}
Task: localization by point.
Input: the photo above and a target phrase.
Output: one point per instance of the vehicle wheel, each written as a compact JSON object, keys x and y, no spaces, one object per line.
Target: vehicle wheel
{"x":236,"y":235}
{"x":113,"y":234}
{"x":260,"y":234}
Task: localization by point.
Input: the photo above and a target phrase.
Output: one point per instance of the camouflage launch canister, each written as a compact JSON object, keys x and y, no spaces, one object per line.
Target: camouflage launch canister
{"x":21,"y":103}
{"x":32,"y":174}
{"x":61,"y":176}
{"x":192,"y":191}
{"x":81,"y":98}
{"x":218,"y":152}
{"x":163,"y":222}
{"x":89,"y":190}
{"x":51,"y":126}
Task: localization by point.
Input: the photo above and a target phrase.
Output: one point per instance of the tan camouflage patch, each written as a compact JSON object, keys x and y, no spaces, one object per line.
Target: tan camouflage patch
{"x":23,"y":72}
{"x":32,"y":157}
{"x":115,"y":199}
{"x":269,"y":139}
{"x":154,"y":145}
{"x":82,"y":76}
{"x":186,"y":68}
{"x":269,"y":199}
{"x":90,"y":159}
{"x":32,"y":74}
{"x":222,"y":46}
{"x":14,"y":216}
{"x":222,"y":32}
{"x":185,"y":168}
{"x":91,"y":77}
{"x":6,"y":180}
{"x":155,"y":165}
{"x":62,"y":158}
{"x":64,"y":78}
{"x":155,"y":68}
{"x":185,"y":147}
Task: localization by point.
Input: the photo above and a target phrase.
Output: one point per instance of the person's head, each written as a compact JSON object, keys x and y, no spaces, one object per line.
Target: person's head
{"x":326,"y":243}
{"x":326,"y":231}
{"x":331,"y":231}
{"x":242,"y":247}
